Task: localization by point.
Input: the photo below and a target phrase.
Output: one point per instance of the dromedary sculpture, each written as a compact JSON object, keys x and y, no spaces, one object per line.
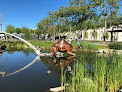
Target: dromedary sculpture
{"x":63,"y":46}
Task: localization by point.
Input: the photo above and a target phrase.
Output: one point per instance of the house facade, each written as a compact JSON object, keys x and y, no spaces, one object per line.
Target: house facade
{"x":114,"y":34}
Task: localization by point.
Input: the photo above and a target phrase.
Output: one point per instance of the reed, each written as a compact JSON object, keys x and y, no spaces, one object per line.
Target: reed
{"x":105,"y":75}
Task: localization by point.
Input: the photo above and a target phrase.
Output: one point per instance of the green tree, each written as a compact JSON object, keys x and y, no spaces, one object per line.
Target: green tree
{"x":18,"y":30}
{"x":37,"y":32}
{"x":114,"y":20}
{"x":26,"y":33}
{"x":10,"y":29}
{"x":94,"y":34}
{"x":106,"y":35}
{"x":78,"y":12}
{"x":43,"y":25}
{"x":107,"y":7}
{"x":51,"y":31}
{"x":86,"y":34}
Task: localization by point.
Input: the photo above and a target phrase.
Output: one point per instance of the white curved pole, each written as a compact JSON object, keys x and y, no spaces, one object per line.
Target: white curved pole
{"x":37,"y":58}
{"x":33,"y":47}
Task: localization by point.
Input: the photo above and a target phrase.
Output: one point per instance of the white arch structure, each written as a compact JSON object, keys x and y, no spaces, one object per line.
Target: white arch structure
{"x":33,"y":47}
{"x":36,"y":59}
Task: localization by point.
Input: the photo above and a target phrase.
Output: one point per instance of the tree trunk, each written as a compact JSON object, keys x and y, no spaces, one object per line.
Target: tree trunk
{"x":105,"y":28}
{"x":54,"y":33}
{"x":59,"y":34}
{"x":70,"y":36}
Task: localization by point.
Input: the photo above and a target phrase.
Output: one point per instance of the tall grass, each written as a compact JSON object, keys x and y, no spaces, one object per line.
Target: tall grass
{"x":105,"y":75}
{"x":42,"y":44}
{"x":88,"y":46}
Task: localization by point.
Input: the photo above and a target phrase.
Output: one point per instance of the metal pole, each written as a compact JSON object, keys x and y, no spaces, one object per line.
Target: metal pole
{"x":1,"y":21}
{"x":6,"y":31}
{"x":1,"y":24}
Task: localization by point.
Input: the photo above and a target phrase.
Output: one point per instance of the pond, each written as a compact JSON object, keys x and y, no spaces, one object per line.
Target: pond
{"x":33,"y":77}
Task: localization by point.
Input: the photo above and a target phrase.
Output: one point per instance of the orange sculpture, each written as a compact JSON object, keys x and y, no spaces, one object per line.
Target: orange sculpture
{"x":63,"y":46}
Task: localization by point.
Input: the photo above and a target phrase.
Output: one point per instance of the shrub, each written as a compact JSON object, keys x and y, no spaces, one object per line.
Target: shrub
{"x":117,"y":46}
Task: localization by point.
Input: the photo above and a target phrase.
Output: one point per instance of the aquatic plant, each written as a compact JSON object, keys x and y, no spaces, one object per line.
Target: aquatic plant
{"x":104,"y":74}
{"x":117,"y":46}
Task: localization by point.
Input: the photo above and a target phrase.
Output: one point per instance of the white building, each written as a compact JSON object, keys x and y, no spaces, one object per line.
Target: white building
{"x":115,"y":34}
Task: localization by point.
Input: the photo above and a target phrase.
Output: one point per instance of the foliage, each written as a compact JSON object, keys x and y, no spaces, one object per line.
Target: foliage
{"x":114,"y":20}
{"x":86,"y":34}
{"x":117,"y":46}
{"x":37,"y":32}
{"x":51,"y":30}
{"x":106,"y":35}
{"x":10,"y":29}
{"x":17,"y":30}
{"x":44,"y":24}
{"x":94,"y":34}
{"x":107,"y":7}
{"x":26,"y":32}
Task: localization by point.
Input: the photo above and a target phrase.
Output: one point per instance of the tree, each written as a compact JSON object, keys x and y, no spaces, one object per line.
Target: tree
{"x":43,"y":25}
{"x":94,"y":34}
{"x":18,"y":30}
{"x":107,"y":7}
{"x":26,"y":32}
{"x":10,"y":29}
{"x":51,"y":31}
{"x":106,"y":35}
{"x":86,"y":34}
{"x":114,"y":20}
{"x":78,"y":11}
{"x":37,"y":32}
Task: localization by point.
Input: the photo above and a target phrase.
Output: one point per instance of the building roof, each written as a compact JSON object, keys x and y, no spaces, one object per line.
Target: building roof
{"x":115,"y":31}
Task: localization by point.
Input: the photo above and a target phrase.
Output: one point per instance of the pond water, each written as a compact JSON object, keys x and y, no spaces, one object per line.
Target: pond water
{"x":34,"y":78}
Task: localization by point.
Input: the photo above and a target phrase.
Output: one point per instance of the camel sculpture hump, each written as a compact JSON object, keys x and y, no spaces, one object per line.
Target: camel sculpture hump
{"x":62,"y":45}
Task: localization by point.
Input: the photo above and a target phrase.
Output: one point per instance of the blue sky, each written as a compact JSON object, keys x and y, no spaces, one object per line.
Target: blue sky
{"x":28,"y":12}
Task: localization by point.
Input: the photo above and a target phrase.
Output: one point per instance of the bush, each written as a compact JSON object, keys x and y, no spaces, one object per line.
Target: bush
{"x":117,"y":46}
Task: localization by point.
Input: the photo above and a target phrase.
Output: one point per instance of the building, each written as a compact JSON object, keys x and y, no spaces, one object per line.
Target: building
{"x":114,"y":34}
{"x":2,"y":36}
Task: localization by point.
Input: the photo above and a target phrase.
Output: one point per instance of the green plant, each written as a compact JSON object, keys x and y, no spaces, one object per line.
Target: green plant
{"x":105,"y":75}
{"x":117,"y":46}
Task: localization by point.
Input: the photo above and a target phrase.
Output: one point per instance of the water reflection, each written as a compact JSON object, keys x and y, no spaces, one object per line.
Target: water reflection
{"x":53,"y":63}
{"x":3,"y":73}
{"x":29,"y":74}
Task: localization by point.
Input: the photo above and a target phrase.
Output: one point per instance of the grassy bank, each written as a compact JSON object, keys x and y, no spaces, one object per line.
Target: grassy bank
{"x":47,"y":44}
{"x":88,"y":46}
{"x":105,"y":75}
{"x":42,"y":44}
